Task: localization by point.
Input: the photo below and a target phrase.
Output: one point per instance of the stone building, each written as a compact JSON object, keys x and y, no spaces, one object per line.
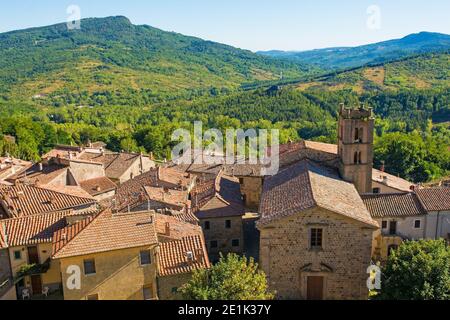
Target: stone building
{"x":316,"y":234}
{"x":221,"y":217}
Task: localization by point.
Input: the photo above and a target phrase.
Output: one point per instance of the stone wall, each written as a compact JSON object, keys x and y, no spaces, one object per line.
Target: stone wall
{"x":287,"y":259}
{"x":224,"y":237}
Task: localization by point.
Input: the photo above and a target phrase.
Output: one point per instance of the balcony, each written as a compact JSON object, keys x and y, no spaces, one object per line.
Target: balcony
{"x":32,"y":269}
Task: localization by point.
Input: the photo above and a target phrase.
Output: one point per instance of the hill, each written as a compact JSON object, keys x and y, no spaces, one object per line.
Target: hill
{"x":427,"y":71}
{"x":350,"y":57}
{"x":111,"y":56}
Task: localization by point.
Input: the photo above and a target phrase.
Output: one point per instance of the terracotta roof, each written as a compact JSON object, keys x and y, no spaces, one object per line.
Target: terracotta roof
{"x":35,"y":175}
{"x":435,"y":199}
{"x":226,"y":202}
{"x":173,"y":256}
{"x":168,"y":196}
{"x":305,"y":185}
{"x":178,"y":228}
{"x":106,"y":232}
{"x":115,"y":164}
{"x":174,"y":177}
{"x":98,"y":186}
{"x":22,"y":200}
{"x":391,"y":181}
{"x":31,"y":230}
{"x":393,"y":205}
{"x":129,"y":192}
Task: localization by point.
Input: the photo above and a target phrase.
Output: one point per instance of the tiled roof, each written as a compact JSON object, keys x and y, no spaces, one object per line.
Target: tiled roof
{"x":435,"y":199}
{"x":98,"y":186}
{"x":393,"y":205}
{"x":178,"y":228}
{"x":22,"y":200}
{"x":305,"y":185}
{"x":174,"y":177}
{"x":130,"y":192}
{"x":31,"y":230}
{"x":106,"y":232}
{"x":226,"y":202}
{"x":116,"y":164}
{"x":173,"y":256}
{"x":391,"y":181}
{"x":172,"y":197}
{"x":34,"y":175}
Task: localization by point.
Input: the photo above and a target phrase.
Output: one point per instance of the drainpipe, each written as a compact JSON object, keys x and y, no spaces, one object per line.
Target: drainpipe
{"x":437,"y":225}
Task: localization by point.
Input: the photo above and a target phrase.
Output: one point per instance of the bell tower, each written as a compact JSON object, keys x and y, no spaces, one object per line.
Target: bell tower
{"x":355,"y":146}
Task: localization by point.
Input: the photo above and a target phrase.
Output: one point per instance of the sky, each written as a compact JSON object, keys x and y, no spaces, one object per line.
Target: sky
{"x":252,"y":24}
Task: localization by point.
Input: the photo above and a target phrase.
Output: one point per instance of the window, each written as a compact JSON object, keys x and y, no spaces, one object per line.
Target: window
{"x":228,"y":224}
{"x":147,"y":291}
{"x":376,"y":190}
{"x":417,"y":224}
{"x":17,"y":255}
{"x":92,"y":297}
{"x":89,"y":267}
{"x":235,"y":243}
{"x":316,"y":238}
{"x":241,"y":180}
{"x":214,"y":244}
{"x":145,"y":258}
{"x":393,"y":227}
{"x":207,"y":225}
{"x":384,"y":225}
{"x":174,"y":290}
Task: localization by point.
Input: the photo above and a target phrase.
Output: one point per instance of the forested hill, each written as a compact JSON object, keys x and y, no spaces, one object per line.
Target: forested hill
{"x":112,"y":55}
{"x":350,"y":57}
{"x":422,"y":72}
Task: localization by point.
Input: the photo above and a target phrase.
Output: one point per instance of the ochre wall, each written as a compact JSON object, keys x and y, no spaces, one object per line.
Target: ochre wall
{"x":119,"y":275}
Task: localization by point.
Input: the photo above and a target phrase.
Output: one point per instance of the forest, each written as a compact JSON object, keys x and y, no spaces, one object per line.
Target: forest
{"x":132,"y":86}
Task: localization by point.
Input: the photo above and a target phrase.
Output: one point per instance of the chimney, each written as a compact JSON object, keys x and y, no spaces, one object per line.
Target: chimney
{"x":167,"y":233}
{"x":190,"y":257}
{"x":383,"y":168}
{"x":41,"y":167}
{"x":385,"y":179}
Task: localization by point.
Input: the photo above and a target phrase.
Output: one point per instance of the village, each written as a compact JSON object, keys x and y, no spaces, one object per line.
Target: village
{"x":131,"y":227}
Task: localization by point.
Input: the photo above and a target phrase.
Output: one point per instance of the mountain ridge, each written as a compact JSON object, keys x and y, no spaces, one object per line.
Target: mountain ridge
{"x":348,"y":57}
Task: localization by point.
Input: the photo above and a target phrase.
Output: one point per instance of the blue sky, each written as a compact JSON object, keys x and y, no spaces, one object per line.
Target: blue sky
{"x":251,"y":24}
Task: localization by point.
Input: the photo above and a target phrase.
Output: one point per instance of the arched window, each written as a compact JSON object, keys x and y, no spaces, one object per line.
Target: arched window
{"x":361,"y":134}
{"x":360,"y":158}
{"x":355,"y":158}
{"x":356,"y":134}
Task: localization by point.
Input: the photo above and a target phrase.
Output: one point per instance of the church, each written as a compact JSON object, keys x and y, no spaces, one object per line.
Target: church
{"x":315,"y":231}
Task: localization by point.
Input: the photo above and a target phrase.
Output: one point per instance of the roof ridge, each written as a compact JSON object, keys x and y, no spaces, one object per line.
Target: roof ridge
{"x":63,"y":193}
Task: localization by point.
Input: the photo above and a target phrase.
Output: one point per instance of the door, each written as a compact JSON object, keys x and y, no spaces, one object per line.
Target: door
{"x":33,"y":255}
{"x":36,"y":284}
{"x":315,"y":288}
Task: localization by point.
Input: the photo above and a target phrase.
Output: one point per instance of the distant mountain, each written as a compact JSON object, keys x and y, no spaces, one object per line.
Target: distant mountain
{"x":109,"y":55}
{"x":343,"y":58}
{"x":425,"y":71}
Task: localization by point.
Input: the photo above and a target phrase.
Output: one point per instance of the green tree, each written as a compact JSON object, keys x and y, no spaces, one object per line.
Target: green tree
{"x":233,"y":278}
{"x":417,"y":270}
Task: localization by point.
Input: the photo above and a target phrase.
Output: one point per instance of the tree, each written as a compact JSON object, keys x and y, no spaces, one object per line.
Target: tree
{"x":233,"y":278}
{"x":417,"y":270}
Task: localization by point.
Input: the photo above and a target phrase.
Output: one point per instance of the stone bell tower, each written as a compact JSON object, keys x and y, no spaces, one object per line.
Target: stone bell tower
{"x":355,"y":146}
